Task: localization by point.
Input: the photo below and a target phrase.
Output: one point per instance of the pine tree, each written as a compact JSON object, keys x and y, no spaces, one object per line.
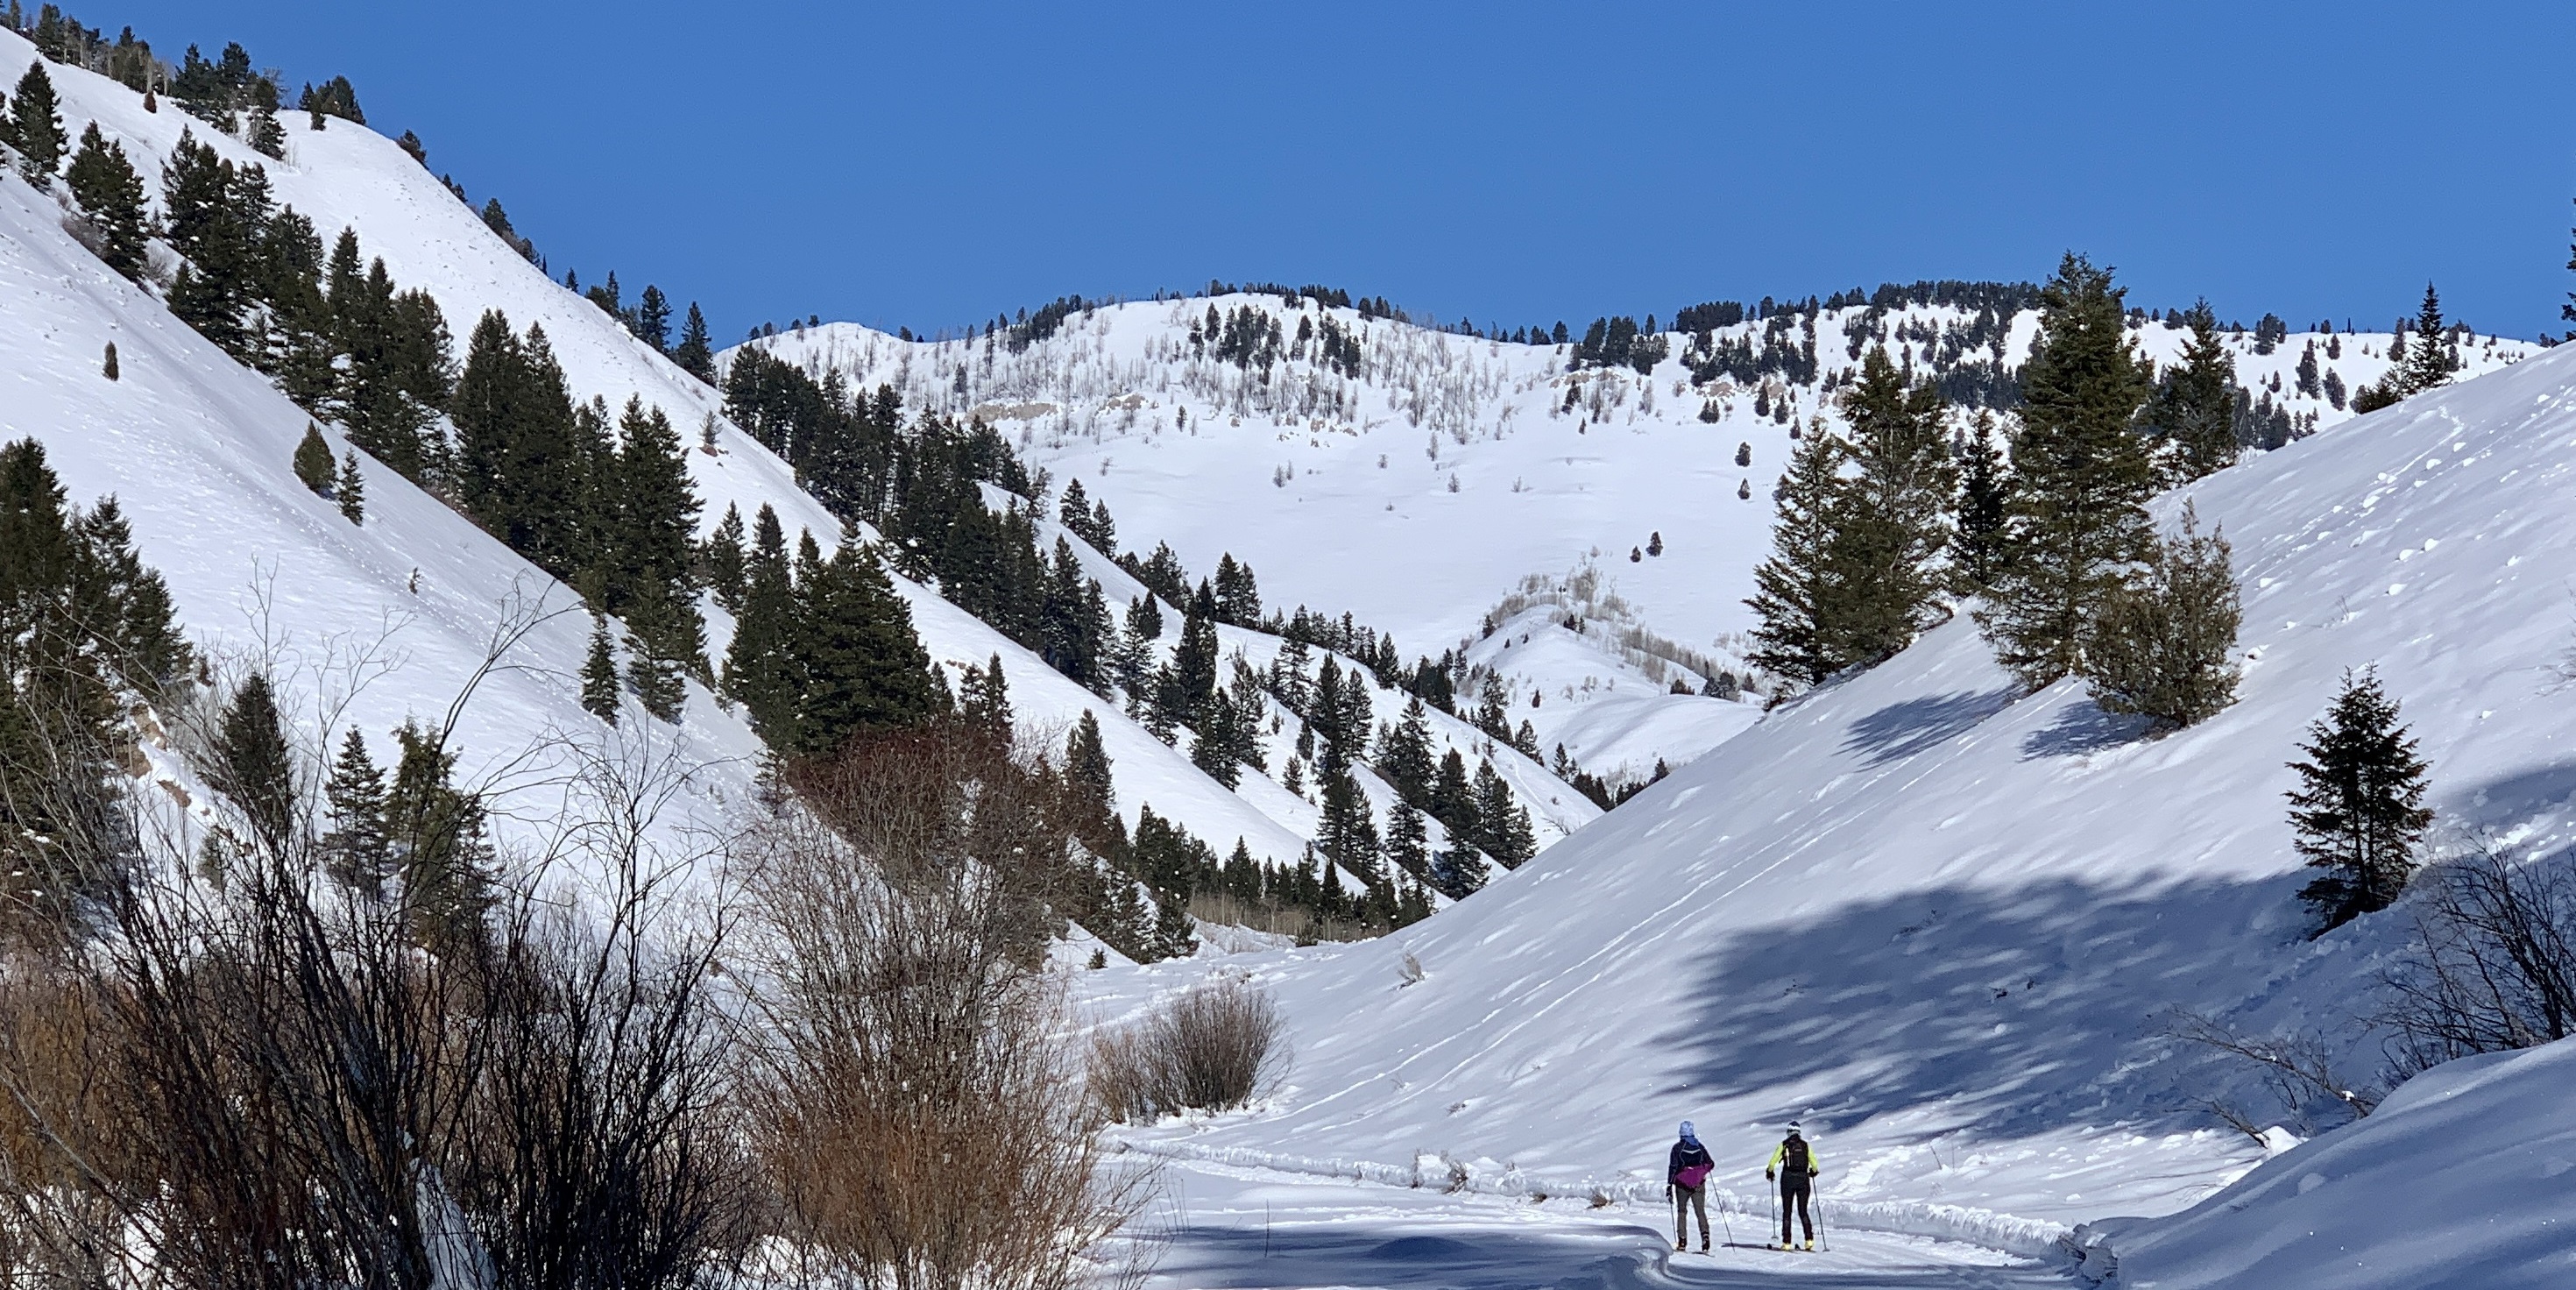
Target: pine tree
{"x":264,"y":134}
{"x":2077,"y":516}
{"x":109,"y":368}
{"x":1894,"y":514}
{"x":1985,"y":491}
{"x":696,"y":353}
{"x":599,"y":673}
{"x":355,"y":849}
{"x":1347,"y":834}
{"x":662,"y":639}
{"x":1506,"y":832}
{"x":1404,"y":755}
{"x":652,"y":321}
{"x":1459,"y":870}
{"x":313,"y":460}
{"x":1406,"y":847}
{"x":1087,"y":769}
{"x":351,"y":489}
{"x":439,"y":843}
{"x":517,"y":463}
{"x":725,"y":559}
{"x":2429,"y":363}
{"x":110,"y":193}
{"x":655,"y":534}
{"x":1192,"y":679}
{"x":2161,"y":649}
{"x":759,"y":664}
{"x":1796,"y":589}
{"x":984,"y":698}
{"x":2359,"y":808}
{"x":35,"y":128}
{"x":2194,"y":408}
{"x":858,"y":664}
{"x":252,"y":765}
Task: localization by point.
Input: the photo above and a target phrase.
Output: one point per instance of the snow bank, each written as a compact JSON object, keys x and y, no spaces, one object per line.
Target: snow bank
{"x":2466,"y":1176}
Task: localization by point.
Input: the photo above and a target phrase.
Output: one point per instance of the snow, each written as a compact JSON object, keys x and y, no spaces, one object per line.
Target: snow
{"x":1942,"y":921}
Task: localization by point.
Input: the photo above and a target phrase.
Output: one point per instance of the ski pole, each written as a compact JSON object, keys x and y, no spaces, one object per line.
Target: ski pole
{"x":1824,"y":1239}
{"x":1721,"y":1219}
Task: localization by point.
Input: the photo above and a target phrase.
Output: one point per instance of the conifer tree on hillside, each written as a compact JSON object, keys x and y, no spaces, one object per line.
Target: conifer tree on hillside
{"x":354,"y":848}
{"x":1985,"y":490}
{"x":1505,"y":833}
{"x":2194,"y":408}
{"x":858,"y":665}
{"x":2359,"y":808}
{"x":2077,"y":518}
{"x":652,"y":319}
{"x":724,"y":558}
{"x":1404,"y":755}
{"x":517,"y":468}
{"x":350,"y":490}
{"x":2430,"y":362}
{"x":397,"y":375}
{"x":759,"y":670}
{"x":252,"y":765}
{"x":110,"y":193}
{"x":1087,"y":769}
{"x":696,"y":352}
{"x":1894,"y":513}
{"x":984,"y":699}
{"x":36,"y":126}
{"x":2161,"y":649}
{"x":599,"y":673}
{"x":1797,"y":588}
{"x":663,"y":639}
{"x":1238,"y":594}
{"x":438,"y":836}
{"x":656,"y":517}
{"x":1192,"y":678}
{"x":313,"y":460}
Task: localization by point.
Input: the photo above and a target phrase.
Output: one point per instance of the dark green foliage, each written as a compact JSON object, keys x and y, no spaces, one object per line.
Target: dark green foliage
{"x":662,"y":638}
{"x":1985,"y":491}
{"x":110,"y":194}
{"x":599,"y":673}
{"x":1795,"y":589}
{"x":1074,"y":622}
{"x":252,"y":765}
{"x":724,"y":560}
{"x":2161,"y":648}
{"x":437,"y":838}
{"x":1504,"y":830}
{"x":1619,"y":342}
{"x":1166,"y":858}
{"x":2431,"y":360}
{"x":398,"y":375}
{"x":1238,"y":594}
{"x":1229,"y":728}
{"x":351,"y":489}
{"x":1894,"y":513}
{"x":335,"y":97}
{"x":517,"y":471}
{"x":2359,"y":808}
{"x":1404,"y":755}
{"x":1087,"y":769}
{"x":108,"y":367}
{"x":695,"y":353}
{"x":855,"y":663}
{"x":651,"y":320}
{"x":1190,"y":682}
{"x":2194,"y":408}
{"x":2077,"y":514}
{"x":984,"y":699}
{"x":36,"y":126}
{"x":313,"y":460}
{"x":644,"y":553}
{"x":356,"y":850}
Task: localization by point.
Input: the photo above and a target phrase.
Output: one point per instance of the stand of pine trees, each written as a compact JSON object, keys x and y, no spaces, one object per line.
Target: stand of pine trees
{"x":2359,"y":809}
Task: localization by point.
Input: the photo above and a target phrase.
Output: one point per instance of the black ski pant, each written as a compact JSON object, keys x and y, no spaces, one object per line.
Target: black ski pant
{"x":1793,"y":1196}
{"x":1686,"y":1199}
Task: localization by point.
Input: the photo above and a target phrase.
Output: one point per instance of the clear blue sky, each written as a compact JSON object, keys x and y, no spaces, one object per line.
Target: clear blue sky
{"x":934,"y":164}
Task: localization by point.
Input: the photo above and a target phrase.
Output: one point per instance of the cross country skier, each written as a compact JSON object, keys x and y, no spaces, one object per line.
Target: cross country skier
{"x":1686,"y":1186}
{"x":1795,"y":1166}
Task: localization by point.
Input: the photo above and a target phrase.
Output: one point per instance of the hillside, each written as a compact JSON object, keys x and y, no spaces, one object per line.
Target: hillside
{"x":1944,"y":920}
{"x":1417,"y":477}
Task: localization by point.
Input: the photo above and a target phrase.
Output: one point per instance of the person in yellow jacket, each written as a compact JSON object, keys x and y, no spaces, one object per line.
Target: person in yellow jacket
{"x":1794,"y":1165}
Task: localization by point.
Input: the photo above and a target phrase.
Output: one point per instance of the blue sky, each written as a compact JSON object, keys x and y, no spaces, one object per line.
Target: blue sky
{"x":932,"y":165}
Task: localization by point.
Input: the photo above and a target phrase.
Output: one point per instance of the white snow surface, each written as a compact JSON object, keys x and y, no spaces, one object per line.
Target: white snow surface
{"x":1942,"y":922}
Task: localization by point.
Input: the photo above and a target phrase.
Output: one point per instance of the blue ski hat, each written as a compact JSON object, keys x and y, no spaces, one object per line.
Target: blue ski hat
{"x":1687,"y":1134}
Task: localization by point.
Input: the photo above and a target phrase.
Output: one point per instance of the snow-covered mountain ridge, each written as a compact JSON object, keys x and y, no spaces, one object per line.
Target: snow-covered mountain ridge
{"x":1416,"y":477}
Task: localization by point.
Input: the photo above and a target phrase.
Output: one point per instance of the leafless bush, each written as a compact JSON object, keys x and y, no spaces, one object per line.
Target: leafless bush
{"x":913,"y":1101}
{"x":2492,"y":965}
{"x":2297,"y":1071}
{"x":1213,"y":1048}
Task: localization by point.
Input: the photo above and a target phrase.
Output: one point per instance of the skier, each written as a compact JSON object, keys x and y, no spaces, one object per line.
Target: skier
{"x":1686,"y":1186}
{"x":1794,"y":1164}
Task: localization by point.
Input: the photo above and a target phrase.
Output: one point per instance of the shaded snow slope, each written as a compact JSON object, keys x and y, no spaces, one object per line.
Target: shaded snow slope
{"x":1941,"y":920}
{"x":2466,"y":1177}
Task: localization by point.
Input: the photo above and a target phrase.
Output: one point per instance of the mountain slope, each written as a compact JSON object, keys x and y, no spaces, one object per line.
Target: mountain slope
{"x":1942,"y":919}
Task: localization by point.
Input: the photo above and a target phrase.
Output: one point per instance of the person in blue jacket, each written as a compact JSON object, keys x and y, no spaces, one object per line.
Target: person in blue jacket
{"x":1686,"y":1185}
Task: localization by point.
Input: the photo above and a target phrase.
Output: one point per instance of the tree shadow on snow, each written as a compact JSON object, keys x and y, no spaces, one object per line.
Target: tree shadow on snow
{"x":2502,"y":804}
{"x":1900,"y":730}
{"x":2022,"y":1002}
{"x":2081,"y":728}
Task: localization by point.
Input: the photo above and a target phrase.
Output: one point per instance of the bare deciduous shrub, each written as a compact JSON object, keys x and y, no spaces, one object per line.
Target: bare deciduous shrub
{"x":2298,"y":1072}
{"x":911,"y":1100}
{"x":2492,"y":965}
{"x":1213,"y":1048}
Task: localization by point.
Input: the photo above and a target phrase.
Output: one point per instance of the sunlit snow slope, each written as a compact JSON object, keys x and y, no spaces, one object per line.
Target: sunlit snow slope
{"x":1941,"y":920}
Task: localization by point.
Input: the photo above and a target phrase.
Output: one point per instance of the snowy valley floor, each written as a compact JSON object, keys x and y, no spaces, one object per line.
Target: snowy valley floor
{"x":1218,"y":1225}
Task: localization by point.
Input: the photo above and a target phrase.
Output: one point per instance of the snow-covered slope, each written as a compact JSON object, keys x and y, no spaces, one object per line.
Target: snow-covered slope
{"x":1420,"y":491}
{"x":187,"y":429}
{"x":2466,"y":1177}
{"x":1942,"y":920}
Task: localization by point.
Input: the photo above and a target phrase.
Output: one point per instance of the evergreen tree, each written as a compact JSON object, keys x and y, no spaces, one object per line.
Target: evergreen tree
{"x":1087,"y":769}
{"x":2194,"y":408}
{"x":1238,"y":594}
{"x":1894,"y":514}
{"x":313,"y":460}
{"x":984,"y":698}
{"x":351,"y":489}
{"x":1406,"y":847}
{"x":1506,"y":832}
{"x":1347,"y":834}
{"x":1192,"y":678}
{"x":652,"y":321}
{"x":1404,"y":755}
{"x":517,"y":465}
{"x":2359,"y":808}
{"x":662,"y":637}
{"x":355,"y":849}
{"x":110,"y":193}
{"x":725,"y":560}
{"x":599,"y":673}
{"x":439,"y":843}
{"x":696,"y":353}
{"x":1453,"y":800}
{"x":2161,"y":649}
{"x":1985,"y":490}
{"x":1797,"y":589}
{"x":2430,"y":362}
{"x":858,"y":665}
{"x":35,"y":128}
{"x":253,"y":767}
{"x":655,"y":536}
{"x":759,"y":665}
{"x":2077,"y":515}
{"x":1459,"y":870}
{"x":124,"y":608}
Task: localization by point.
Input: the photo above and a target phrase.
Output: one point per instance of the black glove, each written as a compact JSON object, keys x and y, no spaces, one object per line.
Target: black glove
{"x":1766,"y":1175}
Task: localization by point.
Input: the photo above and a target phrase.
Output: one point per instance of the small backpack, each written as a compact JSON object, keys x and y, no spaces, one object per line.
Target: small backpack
{"x":1795,"y":1157}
